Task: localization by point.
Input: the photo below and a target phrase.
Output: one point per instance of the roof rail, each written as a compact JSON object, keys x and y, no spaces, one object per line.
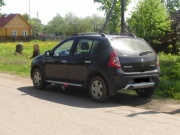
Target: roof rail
{"x":127,"y":34}
{"x":103,"y":35}
{"x":91,"y":33}
{"x":87,"y":33}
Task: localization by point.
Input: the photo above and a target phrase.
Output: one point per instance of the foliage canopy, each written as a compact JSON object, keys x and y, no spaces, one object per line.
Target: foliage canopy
{"x":114,"y":21}
{"x":150,"y":19}
{"x":172,"y":5}
{"x":2,"y":3}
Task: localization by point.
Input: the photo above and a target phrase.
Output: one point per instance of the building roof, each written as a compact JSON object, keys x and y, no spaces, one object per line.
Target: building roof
{"x":5,"y":19}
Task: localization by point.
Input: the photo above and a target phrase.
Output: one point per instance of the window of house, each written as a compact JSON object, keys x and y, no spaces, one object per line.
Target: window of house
{"x":14,"y":33}
{"x":24,"y":33}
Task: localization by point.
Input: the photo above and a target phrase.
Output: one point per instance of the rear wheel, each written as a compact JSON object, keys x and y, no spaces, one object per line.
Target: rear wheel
{"x":38,"y":79}
{"x":146,"y":92}
{"x":98,"y":89}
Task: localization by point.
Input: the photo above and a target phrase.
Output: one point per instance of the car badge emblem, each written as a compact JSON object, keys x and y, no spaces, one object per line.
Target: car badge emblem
{"x":142,"y":61}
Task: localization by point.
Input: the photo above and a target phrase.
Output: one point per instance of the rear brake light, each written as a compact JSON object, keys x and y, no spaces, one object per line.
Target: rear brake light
{"x":114,"y":60}
{"x":157,"y":62}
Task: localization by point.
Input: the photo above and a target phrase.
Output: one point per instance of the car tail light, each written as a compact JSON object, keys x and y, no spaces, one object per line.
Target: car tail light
{"x":157,"y":62}
{"x":157,"y":59}
{"x":114,"y":60}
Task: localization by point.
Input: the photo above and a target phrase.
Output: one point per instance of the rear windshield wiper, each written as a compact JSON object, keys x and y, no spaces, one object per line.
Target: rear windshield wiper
{"x":145,"y":52}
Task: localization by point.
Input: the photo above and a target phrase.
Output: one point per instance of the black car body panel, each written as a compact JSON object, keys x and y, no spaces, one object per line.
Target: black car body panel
{"x":79,"y":62}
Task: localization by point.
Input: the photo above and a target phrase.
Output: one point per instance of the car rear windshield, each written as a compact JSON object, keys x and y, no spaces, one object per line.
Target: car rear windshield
{"x":130,"y":46}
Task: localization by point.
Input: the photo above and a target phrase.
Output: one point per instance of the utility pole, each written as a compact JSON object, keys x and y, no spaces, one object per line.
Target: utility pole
{"x":122,"y":16}
{"x":30,"y":17}
{"x":29,"y":9}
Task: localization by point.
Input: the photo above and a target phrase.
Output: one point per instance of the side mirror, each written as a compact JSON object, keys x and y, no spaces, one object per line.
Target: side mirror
{"x":47,"y":53}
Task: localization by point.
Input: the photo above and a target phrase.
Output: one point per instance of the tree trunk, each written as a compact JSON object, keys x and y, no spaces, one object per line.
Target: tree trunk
{"x":36,"y":50}
{"x":19,"y":48}
{"x":122,"y":16}
{"x":108,"y":17}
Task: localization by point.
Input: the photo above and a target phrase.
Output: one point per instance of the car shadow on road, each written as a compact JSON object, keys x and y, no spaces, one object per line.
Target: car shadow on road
{"x":77,"y":97}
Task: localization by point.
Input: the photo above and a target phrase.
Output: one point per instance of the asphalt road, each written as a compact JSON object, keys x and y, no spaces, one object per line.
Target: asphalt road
{"x":53,"y":111}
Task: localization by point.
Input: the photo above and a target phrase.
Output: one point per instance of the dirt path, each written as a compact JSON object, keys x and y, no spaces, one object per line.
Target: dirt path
{"x":164,"y":106}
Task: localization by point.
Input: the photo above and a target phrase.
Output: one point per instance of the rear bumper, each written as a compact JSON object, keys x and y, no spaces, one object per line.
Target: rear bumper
{"x":127,"y":82}
{"x":139,"y":85}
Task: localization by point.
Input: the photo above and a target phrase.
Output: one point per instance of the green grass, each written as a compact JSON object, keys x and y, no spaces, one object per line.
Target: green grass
{"x":169,"y":86}
{"x":11,"y":62}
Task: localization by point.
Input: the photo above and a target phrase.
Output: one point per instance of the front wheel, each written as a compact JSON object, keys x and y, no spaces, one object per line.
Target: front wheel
{"x":98,"y":89}
{"x":147,"y":92}
{"x":38,"y":79}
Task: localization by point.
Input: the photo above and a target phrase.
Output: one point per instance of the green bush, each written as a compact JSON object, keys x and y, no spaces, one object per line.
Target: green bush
{"x":169,"y":86}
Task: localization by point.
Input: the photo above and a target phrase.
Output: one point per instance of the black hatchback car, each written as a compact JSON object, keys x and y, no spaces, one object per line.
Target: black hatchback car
{"x":102,"y":64}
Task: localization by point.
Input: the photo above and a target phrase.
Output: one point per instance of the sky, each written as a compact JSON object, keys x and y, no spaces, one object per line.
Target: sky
{"x":46,"y":10}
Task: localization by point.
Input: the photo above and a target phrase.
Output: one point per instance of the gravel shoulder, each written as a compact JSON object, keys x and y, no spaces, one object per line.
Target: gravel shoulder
{"x":163,"y":106}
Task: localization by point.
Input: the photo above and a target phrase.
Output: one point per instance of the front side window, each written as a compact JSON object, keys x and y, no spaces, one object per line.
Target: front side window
{"x":64,"y":49}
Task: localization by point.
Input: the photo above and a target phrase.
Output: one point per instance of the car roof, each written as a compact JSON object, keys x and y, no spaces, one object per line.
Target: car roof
{"x":103,"y":36}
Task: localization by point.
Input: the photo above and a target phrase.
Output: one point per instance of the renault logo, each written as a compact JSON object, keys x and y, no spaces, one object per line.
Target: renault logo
{"x":142,"y":61}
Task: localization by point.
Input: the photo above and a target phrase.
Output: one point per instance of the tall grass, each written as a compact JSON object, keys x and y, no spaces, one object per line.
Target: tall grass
{"x":11,"y":62}
{"x":170,"y":76}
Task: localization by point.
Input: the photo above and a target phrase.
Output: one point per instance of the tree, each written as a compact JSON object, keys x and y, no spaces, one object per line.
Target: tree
{"x":172,"y":5}
{"x":109,"y":15}
{"x":26,"y":17}
{"x":2,"y":3}
{"x":71,"y":24}
{"x":97,"y":22}
{"x":56,"y":25}
{"x":36,"y":26}
{"x":112,"y":10}
{"x":150,"y":19}
{"x":84,"y":25}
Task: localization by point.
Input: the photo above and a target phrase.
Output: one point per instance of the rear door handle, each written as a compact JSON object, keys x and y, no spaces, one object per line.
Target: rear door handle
{"x":64,"y":61}
{"x":88,"y":62}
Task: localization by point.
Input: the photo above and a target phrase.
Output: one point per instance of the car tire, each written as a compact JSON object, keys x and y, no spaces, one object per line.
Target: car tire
{"x":38,"y":79}
{"x":98,"y":89}
{"x":145,"y":92}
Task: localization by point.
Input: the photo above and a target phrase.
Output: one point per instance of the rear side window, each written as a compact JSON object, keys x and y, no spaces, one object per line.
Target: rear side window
{"x":83,"y":47}
{"x":95,"y":47}
{"x":125,"y":46}
{"x":87,"y":47}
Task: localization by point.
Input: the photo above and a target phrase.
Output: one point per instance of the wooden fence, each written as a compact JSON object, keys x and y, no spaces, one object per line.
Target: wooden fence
{"x":29,"y":38}
{"x":15,"y":39}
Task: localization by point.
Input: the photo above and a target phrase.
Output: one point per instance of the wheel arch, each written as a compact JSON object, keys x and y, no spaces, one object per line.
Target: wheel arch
{"x":39,"y":67}
{"x":104,"y":76}
{"x":93,"y":74}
